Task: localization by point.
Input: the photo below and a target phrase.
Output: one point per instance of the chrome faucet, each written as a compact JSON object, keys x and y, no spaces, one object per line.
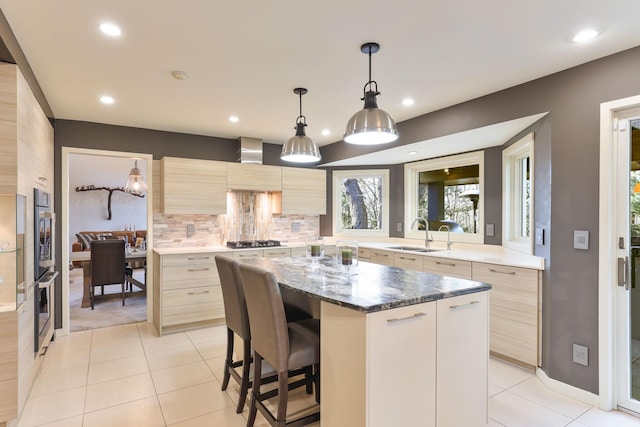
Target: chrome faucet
{"x":449,"y":242}
{"x":426,"y":227}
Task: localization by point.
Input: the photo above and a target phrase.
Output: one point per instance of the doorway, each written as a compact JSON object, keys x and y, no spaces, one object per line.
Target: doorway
{"x":619,"y":252}
{"x":96,"y":206}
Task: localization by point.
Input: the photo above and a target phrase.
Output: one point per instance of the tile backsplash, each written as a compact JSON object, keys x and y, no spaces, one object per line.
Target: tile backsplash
{"x":248,"y":217}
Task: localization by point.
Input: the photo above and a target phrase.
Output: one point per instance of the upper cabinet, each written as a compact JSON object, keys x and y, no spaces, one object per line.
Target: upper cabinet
{"x":304,"y":191}
{"x":191,"y":186}
{"x":254,"y":177}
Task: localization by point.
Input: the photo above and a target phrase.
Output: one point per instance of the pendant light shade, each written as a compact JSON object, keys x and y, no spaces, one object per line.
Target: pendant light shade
{"x":135,"y":183}
{"x":371,"y":125}
{"x":300,"y":148}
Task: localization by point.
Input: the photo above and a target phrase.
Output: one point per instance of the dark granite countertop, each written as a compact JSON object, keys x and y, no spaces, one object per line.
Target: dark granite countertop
{"x":374,"y":288}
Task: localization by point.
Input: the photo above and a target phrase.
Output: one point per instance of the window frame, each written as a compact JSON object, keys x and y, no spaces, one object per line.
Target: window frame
{"x":411,"y":171}
{"x":512,"y":212}
{"x":338,"y":176}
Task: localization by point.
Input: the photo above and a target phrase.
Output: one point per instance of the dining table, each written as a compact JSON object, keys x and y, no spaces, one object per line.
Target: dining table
{"x":84,"y":257}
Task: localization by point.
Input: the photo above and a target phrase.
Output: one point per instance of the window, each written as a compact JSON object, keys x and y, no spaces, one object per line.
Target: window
{"x":360,"y":200}
{"x":447,"y":192}
{"x":517,"y":195}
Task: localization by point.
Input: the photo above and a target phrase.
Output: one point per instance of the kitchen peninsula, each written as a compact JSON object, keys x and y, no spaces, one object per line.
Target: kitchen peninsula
{"x":392,"y":340}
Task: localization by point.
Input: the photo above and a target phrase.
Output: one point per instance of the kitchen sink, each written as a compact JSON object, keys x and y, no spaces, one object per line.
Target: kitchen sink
{"x":413,"y":249}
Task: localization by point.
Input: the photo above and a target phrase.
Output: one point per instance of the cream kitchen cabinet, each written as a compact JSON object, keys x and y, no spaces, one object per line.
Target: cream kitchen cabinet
{"x":247,"y":254}
{"x":304,"y":191}
{"x":447,"y":267}
{"x":379,"y":256}
{"x":514,"y":319}
{"x":462,"y":371}
{"x":254,"y":177}
{"x":191,"y":186}
{"x":407,"y":261}
{"x":277,"y":252}
{"x":187,"y":292}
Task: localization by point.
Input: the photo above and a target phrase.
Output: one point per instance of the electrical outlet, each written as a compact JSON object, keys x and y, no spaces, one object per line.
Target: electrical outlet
{"x":191,"y":230}
{"x":491,"y":231}
{"x":581,"y":354}
{"x":295,"y":227}
{"x":399,"y":226}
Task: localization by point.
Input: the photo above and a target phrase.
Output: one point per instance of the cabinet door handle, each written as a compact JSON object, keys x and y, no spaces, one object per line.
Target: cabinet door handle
{"x":379,"y":254}
{"x":400,"y":319}
{"x":199,"y":269}
{"x":493,"y":270}
{"x":459,"y":306}
{"x":199,"y":257}
{"x":450,"y":264}
{"x":198,"y":293}
{"x":410,"y":259}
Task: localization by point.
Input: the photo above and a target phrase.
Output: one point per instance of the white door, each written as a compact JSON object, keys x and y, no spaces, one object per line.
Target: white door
{"x":627,"y":315}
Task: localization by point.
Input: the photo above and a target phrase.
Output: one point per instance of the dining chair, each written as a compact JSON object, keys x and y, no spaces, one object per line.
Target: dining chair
{"x":284,"y":345}
{"x":107,"y":266}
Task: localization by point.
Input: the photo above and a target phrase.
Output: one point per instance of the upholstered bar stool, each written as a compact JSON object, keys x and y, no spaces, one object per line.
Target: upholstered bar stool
{"x":284,"y":345}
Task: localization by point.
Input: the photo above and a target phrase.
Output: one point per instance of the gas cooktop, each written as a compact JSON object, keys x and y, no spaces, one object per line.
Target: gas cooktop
{"x":248,"y":244}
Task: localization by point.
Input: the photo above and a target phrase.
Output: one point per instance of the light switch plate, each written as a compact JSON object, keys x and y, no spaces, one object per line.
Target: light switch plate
{"x":581,"y":239}
{"x":491,"y":231}
{"x":540,"y":236}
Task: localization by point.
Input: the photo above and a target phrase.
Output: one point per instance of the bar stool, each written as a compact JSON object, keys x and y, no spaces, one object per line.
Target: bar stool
{"x":284,"y":345}
{"x":237,"y":320}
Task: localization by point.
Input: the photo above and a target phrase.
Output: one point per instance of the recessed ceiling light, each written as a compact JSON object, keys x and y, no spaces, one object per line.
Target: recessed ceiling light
{"x":179,"y":75}
{"x":110,"y":29}
{"x":106,"y":99}
{"x":413,"y":153}
{"x":234,"y":119}
{"x":408,"y":101}
{"x":326,"y":132}
{"x":585,"y":36}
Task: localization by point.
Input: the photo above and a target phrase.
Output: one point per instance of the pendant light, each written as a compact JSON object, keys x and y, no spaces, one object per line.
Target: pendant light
{"x":371,"y":125}
{"x":135,"y":183}
{"x":300,"y":148}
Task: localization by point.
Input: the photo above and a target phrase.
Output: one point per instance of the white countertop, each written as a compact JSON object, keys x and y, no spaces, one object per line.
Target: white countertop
{"x":490,"y":254}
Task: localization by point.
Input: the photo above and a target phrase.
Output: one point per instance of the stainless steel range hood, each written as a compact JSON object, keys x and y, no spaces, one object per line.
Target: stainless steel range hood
{"x":249,"y":150}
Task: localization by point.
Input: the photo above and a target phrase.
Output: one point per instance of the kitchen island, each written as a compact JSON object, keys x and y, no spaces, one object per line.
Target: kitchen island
{"x":393,"y":340}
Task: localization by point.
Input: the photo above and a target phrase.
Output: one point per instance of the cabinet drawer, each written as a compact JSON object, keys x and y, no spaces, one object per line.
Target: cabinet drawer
{"x":181,"y":276}
{"x":491,"y":273}
{"x":191,"y":305}
{"x":364,"y":253}
{"x":382,"y":257}
{"x":447,"y":267}
{"x":408,"y":261}
{"x":299,"y":251}
{"x":275,"y":253}
{"x":182,"y":259}
{"x":244,"y":254}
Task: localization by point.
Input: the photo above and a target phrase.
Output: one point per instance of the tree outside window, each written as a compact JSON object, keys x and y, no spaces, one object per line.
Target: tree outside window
{"x":360,"y":200}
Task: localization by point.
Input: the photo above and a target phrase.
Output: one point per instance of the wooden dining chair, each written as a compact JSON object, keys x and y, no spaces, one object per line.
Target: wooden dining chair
{"x":286,"y":346}
{"x":107,"y":266}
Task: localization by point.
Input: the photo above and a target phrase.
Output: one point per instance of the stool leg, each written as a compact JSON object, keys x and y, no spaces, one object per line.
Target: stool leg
{"x":317,"y":381}
{"x":228,"y":359}
{"x":255,"y":390}
{"x":283,"y":398}
{"x":246,"y":364}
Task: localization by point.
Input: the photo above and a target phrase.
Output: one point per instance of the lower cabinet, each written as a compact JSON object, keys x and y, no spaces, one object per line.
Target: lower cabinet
{"x":422,"y":365}
{"x":187,"y":292}
{"x":514,"y":312}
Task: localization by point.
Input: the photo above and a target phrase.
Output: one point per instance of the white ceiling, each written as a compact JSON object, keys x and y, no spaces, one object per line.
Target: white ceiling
{"x":245,"y":58}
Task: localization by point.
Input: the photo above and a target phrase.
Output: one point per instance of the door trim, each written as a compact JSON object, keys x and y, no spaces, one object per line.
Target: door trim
{"x":607,"y":273}
{"x":64,"y":215}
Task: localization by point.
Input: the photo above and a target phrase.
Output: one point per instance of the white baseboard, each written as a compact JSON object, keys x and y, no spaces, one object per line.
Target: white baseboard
{"x":568,"y":390}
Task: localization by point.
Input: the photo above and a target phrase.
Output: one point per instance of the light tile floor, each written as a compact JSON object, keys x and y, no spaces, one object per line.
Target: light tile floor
{"x":127,"y":376}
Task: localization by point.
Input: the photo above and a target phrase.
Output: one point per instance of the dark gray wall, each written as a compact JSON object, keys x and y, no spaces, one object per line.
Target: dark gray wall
{"x":569,"y":152}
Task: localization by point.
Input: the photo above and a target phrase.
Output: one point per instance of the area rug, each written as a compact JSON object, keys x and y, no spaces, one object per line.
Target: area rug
{"x":108,"y":312}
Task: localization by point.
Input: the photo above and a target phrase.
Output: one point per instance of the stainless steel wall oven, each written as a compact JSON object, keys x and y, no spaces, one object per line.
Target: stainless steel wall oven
{"x":44,"y":261}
